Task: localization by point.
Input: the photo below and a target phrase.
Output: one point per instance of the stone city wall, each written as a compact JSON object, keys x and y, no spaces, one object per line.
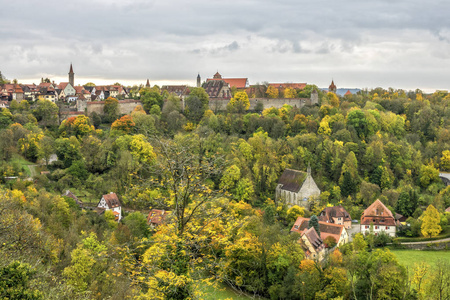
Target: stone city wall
{"x":220,"y":104}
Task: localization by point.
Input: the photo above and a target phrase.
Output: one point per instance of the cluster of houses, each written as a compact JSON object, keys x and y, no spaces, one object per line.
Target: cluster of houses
{"x":64,"y":91}
{"x":217,"y":87}
{"x":299,"y":188}
{"x":334,"y":222}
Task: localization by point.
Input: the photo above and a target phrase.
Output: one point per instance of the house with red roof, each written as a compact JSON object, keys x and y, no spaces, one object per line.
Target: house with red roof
{"x":312,"y":244}
{"x":338,"y":232}
{"x":110,"y":202}
{"x":336,"y":215}
{"x":382,"y":219}
{"x":157,"y":217}
{"x":68,"y":89}
{"x":239,"y":83}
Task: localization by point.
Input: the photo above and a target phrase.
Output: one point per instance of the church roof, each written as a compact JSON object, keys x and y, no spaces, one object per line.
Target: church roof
{"x":292,"y":180}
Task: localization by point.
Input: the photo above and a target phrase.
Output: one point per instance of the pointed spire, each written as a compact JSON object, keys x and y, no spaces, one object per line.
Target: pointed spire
{"x":71,"y":69}
{"x":147,"y":84}
{"x":308,"y":170}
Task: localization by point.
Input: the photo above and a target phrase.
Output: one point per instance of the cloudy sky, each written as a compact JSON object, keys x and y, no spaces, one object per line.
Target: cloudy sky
{"x":400,"y":44}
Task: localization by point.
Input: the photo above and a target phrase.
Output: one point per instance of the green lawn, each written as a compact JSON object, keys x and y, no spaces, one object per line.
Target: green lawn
{"x":17,"y":159}
{"x":409,"y":257}
{"x":223,"y":292}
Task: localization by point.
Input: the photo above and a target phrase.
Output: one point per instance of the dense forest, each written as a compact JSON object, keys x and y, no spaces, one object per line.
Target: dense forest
{"x":217,"y":172}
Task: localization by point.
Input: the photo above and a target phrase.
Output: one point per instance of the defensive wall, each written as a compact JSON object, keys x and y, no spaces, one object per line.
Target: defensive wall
{"x":84,"y":107}
{"x":88,"y":107}
{"x":220,"y":104}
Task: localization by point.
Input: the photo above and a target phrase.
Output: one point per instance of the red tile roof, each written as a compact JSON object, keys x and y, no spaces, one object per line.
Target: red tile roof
{"x":329,"y":213}
{"x":378,"y":214}
{"x":111,"y":200}
{"x":300,"y":86}
{"x":326,"y":229}
{"x":157,"y":216}
{"x":240,"y":83}
{"x":348,"y":93}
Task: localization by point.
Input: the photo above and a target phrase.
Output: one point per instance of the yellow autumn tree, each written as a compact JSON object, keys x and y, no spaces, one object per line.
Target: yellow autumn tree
{"x":239,"y":103}
{"x":430,"y":222}
{"x":290,"y":93}
{"x":445,"y":160}
{"x":272,"y":92}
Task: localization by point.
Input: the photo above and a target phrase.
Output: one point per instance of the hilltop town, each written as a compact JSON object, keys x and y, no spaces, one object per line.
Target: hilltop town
{"x":272,"y":190}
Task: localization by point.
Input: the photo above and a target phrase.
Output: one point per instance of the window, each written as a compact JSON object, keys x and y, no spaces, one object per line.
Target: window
{"x":367,"y":226}
{"x":387,"y":227}
{"x":296,"y":226}
{"x":339,"y":219}
{"x":376,"y":227}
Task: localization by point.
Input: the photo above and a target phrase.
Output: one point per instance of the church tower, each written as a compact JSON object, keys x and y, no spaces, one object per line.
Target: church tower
{"x":332,"y":87}
{"x":147,"y":85}
{"x":199,"y":80}
{"x":71,"y":75}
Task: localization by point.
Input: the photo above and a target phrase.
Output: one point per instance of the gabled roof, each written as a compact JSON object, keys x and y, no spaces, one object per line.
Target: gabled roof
{"x":213,"y":88}
{"x":111,"y":200}
{"x":62,"y":85}
{"x":329,"y":213}
{"x":348,"y":93}
{"x":326,"y":229}
{"x":179,"y":90}
{"x":79,"y":89}
{"x":157,"y":216}
{"x":69,"y":194}
{"x":377,"y":209}
{"x":240,"y":83}
{"x":292,"y":180}
{"x":314,"y":239}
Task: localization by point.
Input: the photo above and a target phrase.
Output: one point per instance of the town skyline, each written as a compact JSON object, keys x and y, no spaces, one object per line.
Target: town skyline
{"x":401,"y":44}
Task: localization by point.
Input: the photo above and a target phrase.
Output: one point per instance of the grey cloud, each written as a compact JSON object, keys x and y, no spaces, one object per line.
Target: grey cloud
{"x":135,"y":39}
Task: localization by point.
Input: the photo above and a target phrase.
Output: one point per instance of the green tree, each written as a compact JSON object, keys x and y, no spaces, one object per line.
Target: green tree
{"x":15,"y":280}
{"x":111,"y":109}
{"x":430,"y":222}
{"x":150,"y":97}
{"x":314,"y":222}
{"x":357,"y":119}
{"x":87,"y":262}
{"x":46,"y":113}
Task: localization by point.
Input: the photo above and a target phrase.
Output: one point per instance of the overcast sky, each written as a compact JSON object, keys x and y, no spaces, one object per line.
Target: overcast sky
{"x":400,"y":44}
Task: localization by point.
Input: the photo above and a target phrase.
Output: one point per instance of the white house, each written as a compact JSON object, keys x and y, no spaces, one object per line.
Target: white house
{"x":111,"y":202}
{"x":380,"y":217}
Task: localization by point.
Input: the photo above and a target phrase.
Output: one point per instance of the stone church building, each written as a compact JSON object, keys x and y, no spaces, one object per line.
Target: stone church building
{"x":296,"y":187}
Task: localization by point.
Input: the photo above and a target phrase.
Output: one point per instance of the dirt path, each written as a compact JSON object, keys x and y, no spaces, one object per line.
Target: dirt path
{"x":427,"y":242}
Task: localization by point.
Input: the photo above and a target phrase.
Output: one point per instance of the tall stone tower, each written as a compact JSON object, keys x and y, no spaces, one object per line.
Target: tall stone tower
{"x":199,"y":80}
{"x":147,"y":85}
{"x":71,"y":75}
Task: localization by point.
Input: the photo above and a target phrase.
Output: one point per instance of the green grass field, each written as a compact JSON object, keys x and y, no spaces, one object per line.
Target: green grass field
{"x":223,"y":292}
{"x":19,"y":160}
{"x":409,"y":257}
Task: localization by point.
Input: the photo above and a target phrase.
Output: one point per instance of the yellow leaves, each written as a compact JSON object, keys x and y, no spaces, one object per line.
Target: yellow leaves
{"x":272,"y":92}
